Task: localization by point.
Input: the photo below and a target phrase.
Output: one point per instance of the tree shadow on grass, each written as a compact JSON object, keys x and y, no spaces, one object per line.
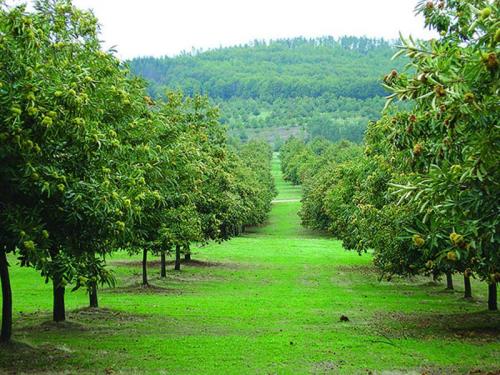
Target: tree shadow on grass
{"x":481,"y":327}
{"x":138,"y":288}
{"x":18,"y":357}
{"x":80,"y":321}
{"x":358,"y":268}
{"x":21,"y":358}
{"x":38,"y":322}
{"x":92,"y":315}
{"x":170,"y":263}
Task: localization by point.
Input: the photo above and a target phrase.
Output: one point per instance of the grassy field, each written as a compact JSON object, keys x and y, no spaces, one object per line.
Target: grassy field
{"x":268,"y":302}
{"x":286,"y":191}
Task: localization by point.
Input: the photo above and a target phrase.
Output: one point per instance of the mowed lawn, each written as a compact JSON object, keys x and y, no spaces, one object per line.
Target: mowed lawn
{"x":267,"y":302}
{"x":286,"y":191}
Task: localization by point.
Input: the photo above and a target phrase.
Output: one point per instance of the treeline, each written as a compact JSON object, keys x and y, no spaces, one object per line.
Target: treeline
{"x":288,"y":68}
{"x":329,"y":86}
{"x":90,"y":164}
{"x":424,"y":194}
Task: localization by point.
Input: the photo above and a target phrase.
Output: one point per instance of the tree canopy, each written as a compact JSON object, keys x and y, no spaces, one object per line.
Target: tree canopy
{"x":424,"y":194}
{"x":90,"y":164}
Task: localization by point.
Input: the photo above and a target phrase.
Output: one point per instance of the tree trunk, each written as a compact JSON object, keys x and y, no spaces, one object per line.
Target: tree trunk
{"x":163,"y":267}
{"x":492,"y":297}
{"x":6,"y":299}
{"x":145,"y":267}
{"x":187,"y":254}
{"x":177,"y":258}
{"x":93,"y":301}
{"x":58,"y":308}
{"x":59,"y":311}
{"x":449,"y":281}
{"x":467,"y":287}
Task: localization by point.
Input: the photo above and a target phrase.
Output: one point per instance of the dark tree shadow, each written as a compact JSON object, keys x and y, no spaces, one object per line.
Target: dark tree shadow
{"x":138,"y":288}
{"x":16,"y":357}
{"x":169,"y":263}
{"x":481,"y":326}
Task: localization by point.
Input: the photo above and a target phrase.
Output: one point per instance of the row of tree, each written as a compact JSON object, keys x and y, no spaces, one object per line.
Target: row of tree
{"x":90,"y":164}
{"x":425,"y":193}
{"x":328,"y":116}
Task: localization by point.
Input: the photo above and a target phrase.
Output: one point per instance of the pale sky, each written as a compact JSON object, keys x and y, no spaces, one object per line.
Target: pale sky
{"x":165,"y":27}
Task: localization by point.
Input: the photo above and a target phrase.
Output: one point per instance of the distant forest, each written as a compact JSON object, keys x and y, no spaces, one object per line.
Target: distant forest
{"x":328,"y":86}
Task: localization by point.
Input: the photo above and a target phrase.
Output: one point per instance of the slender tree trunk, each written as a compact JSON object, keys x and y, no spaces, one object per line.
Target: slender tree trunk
{"x":163,"y":267}
{"x":187,"y":253}
{"x":177,"y":258}
{"x":58,"y":290}
{"x":6,"y":299}
{"x":145,"y":267}
{"x":492,"y":297}
{"x":93,"y":301}
{"x":449,"y":281}
{"x":59,"y":310}
{"x":467,"y":287}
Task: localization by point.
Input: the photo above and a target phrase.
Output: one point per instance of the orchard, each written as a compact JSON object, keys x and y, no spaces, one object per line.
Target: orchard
{"x":424,"y":196}
{"x":90,"y":164}
{"x":146,"y":227}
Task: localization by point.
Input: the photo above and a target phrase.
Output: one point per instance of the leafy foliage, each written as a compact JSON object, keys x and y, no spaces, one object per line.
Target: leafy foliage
{"x":424,"y":196}
{"x":450,"y":141}
{"x":89,"y":163}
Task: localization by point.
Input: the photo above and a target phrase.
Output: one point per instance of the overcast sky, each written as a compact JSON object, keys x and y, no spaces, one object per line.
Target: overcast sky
{"x":166,"y":27}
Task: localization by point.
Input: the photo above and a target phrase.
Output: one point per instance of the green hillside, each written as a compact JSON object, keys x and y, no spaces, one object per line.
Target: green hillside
{"x":331,"y":87}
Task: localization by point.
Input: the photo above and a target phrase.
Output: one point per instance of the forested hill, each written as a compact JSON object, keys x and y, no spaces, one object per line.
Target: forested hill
{"x":329,"y":86}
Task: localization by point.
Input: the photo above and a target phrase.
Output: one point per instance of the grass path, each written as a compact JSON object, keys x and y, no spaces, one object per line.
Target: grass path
{"x":268,"y":302}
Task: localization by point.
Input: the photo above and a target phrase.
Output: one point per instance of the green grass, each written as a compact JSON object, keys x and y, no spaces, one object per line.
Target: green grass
{"x":286,"y":191}
{"x":267,"y":302}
